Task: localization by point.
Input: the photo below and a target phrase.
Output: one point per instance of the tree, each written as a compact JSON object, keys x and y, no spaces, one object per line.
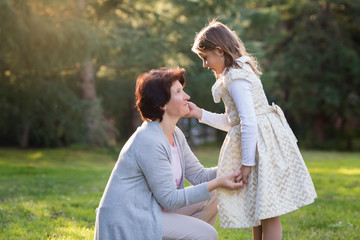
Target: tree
{"x":312,"y":52}
{"x":41,"y":47}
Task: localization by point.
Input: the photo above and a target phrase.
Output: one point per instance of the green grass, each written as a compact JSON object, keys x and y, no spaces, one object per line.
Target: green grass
{"x":53,"y":194}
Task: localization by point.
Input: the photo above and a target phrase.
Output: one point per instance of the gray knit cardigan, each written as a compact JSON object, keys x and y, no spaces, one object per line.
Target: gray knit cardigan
{"x":142,"y":182}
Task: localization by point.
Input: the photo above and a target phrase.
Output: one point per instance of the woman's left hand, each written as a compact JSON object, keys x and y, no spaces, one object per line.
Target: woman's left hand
{"x":227,"y":181}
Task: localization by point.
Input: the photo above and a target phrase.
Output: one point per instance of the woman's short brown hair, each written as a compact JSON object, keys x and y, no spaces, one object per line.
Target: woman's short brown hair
{"x":153,"y":91}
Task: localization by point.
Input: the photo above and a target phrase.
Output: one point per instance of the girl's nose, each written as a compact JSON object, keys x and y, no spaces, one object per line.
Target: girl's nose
{"x":204,"y":64}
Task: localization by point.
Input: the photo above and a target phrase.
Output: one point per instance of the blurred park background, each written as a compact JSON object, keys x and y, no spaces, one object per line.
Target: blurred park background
{"x":68,"y":68}
{"x":67,"y":78}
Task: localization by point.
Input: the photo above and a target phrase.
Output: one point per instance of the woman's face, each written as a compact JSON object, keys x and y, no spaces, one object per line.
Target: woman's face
{"x":178,"y":105}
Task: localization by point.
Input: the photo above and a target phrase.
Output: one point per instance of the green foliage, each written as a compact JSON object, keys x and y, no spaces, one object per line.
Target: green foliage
{"x":42,"y":44}
{"x":312,"y":52}
{"x":39,"y":36}
{"x":49,"y":109}
{"x":309,"y":51}
{"x":53,"y":194}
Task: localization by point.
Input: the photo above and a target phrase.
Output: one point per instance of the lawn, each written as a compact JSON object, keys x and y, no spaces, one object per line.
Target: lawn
{"x":53,"y":194}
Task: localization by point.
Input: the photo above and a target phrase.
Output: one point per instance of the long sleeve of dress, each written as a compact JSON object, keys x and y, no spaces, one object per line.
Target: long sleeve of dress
{"x":215,"y":120}
{"x":240,"y":91}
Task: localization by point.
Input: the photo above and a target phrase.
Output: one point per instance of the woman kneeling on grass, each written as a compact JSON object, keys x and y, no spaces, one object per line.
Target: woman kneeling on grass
{"x":145,"y":196}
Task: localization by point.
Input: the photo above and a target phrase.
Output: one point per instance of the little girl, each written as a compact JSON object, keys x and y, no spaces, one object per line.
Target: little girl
{"x":259,"y":140}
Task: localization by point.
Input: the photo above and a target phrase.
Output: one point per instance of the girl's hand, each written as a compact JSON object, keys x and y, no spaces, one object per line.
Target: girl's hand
{"x":245,"y":171}
{"x":239,"y":178}
{"x":195,"y":111}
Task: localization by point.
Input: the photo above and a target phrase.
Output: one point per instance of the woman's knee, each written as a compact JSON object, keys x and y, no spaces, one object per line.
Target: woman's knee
{"x":177,"y":226}
{"x":206,"y":231}
{"x":212,"y":234}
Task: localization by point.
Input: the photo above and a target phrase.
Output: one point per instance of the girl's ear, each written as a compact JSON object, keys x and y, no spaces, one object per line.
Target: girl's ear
{"x":219,"y":51}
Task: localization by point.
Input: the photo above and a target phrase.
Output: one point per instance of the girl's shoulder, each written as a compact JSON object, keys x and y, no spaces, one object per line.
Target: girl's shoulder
{"x":236,"y":74}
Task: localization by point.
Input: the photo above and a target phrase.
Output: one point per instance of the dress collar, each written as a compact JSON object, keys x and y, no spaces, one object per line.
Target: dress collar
{"x":242,"y":60}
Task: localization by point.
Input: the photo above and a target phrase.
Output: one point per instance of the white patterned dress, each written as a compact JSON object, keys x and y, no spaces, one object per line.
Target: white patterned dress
{"x":280,"y":182}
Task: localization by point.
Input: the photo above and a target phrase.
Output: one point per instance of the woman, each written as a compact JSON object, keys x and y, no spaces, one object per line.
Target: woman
{"x":145,"y":195}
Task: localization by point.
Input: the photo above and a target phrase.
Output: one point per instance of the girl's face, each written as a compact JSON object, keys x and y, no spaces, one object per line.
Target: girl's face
{"x":214,"y":59}
{"x":178,"y":105}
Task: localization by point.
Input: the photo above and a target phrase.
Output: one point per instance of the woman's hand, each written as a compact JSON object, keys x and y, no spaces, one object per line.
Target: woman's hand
{"x":195,"y":111}
{"x":227,"y":182}
{"x":245,"y":171}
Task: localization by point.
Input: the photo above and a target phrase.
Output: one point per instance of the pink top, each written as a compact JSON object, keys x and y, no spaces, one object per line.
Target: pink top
{"x":176,"y":164}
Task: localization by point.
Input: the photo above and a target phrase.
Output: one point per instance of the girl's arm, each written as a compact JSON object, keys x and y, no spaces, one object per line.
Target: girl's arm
{"x":240,"y":91}
{"x":215,"y":120}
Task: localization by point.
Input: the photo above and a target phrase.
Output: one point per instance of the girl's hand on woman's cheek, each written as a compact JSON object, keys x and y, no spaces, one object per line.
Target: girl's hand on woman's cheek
{"x":195,"y":111}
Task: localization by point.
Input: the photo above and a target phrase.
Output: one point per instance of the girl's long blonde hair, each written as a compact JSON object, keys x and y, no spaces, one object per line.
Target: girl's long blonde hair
{"x":216,"y":34}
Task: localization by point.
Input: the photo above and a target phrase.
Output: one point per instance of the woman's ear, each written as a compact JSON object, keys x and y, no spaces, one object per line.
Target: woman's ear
{"x":219,"y":51}
{"x":163,"y":107}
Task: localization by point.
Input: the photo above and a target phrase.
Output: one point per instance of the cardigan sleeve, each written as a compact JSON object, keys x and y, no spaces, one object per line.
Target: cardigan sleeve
{"x":195,"y":172}
{"x":153,"y":160}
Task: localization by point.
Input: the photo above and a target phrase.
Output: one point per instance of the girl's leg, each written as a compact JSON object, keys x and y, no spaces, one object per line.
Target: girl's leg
{"x":271,"y":228}
{"x":257,"y":233}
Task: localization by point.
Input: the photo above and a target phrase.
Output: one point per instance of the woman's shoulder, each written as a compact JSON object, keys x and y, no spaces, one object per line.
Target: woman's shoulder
{"x":146,"y":143}
{"x":148,"y":135}
{"x":179,"y":134}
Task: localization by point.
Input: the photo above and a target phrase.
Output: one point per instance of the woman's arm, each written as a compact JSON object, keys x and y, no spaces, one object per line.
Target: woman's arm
{"x":153,"y":161}
{"x":226,"y":182}
{"x":194,"y":171}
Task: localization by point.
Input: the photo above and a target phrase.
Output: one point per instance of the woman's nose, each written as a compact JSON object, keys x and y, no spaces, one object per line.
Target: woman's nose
{"x":186,"y":97}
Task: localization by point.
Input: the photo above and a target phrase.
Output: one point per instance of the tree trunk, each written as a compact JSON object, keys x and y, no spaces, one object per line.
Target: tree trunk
{"x":93,"y":112}
{"x":24,"y":142}
{"x":319,"y":128}
{"x":87,"y":81}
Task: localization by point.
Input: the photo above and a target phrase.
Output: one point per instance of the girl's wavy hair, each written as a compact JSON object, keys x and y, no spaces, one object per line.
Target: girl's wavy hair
{"x":216,"y":34}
